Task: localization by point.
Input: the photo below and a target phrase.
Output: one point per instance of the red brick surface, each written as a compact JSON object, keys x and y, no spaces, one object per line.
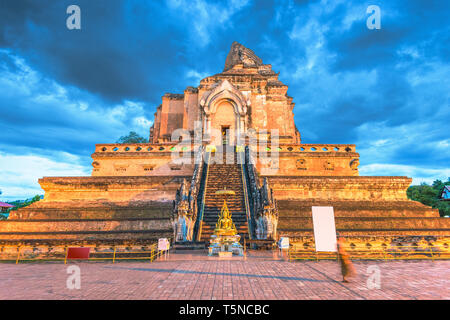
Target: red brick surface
{"x":258,"y":276}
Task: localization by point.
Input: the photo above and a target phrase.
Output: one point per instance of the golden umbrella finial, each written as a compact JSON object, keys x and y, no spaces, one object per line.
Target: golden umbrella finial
{"x":224,"y":191}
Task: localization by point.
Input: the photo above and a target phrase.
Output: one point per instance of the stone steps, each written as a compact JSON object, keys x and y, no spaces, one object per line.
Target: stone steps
{"x":220,"y":176}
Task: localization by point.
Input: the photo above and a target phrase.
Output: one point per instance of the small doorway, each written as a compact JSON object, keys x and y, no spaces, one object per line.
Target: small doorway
{"x":225,"y":134}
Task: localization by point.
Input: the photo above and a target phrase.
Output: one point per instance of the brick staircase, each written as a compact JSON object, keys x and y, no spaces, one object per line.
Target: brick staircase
{"x":219,"y":177}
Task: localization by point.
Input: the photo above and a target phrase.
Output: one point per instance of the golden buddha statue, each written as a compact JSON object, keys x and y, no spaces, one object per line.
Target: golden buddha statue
{"x":225,"y":240}
{"x":225,"y":225}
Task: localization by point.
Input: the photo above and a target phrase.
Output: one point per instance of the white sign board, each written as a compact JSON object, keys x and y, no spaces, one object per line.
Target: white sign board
{"x":284,"y":243}
{"x":163,"y":244}
{"x":324,"y":229}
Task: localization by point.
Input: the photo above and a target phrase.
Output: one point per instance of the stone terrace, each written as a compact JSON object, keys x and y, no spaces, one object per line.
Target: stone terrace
{"x":260,"y":275}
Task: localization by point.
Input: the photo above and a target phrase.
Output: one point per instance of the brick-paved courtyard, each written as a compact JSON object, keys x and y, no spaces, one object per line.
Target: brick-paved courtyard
{"x":258,"y":276}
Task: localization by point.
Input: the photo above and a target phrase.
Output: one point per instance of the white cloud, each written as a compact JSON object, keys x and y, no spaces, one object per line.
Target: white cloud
{"x":354,"y":14}
{"x":27,"y":95}
{"x":58,"y":121}
{"x":377,"y":142}
{"x":429,"y":73}
{"x":444,"y":144}
{"x":408,"y":51}
{"x":142,"y":122}
{"x":20,"y":173}
{"x":83,"y":106}
{"x":196,"y":76}
{"x":418,"y":174}
{"x":206,"y":16}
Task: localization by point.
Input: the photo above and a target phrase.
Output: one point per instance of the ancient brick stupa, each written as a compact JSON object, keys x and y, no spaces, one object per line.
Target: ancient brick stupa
{"x":140,"y":192}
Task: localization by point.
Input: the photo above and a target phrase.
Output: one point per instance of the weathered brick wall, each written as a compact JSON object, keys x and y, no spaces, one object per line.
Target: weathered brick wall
{"x":392,"y":244}
{"x":76,"y":225}
{"x":141,"y":159}
{"x":348,"y":208}
{"x":171,"y":113}
{"x":340,"y":188}
{"x":308,"y":163}
{"x":362,"y":206}
{"x":56,"y":249}
{"x":83,"y":229}
{"x":157,"y":188}
{"x":191,"y":108}
{"x":100,"y":209}
{"x":297,"y":226}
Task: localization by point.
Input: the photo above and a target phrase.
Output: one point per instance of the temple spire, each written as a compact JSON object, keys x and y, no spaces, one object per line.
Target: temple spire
{"x":241,"y":55}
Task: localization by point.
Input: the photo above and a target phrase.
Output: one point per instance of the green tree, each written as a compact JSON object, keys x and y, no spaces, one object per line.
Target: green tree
{"x":430,"y":195}
{"x":132,"y":137}
{"x":21,"y":204}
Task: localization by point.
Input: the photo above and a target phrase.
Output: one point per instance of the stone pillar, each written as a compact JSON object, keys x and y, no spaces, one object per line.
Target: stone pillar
{"x":204,"y":124}
{"x":208,"y":125}
{"x":241,"y":125}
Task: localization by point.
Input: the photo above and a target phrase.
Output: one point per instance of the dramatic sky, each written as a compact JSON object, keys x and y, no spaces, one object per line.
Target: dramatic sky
{"x":62,"y":91}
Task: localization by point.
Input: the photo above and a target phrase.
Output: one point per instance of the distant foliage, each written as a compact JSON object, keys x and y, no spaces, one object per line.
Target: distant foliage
{"x":21,"y":204}
{"x":132,"y":137}
{"x":2,"y":216}
{"x":430,"y":196}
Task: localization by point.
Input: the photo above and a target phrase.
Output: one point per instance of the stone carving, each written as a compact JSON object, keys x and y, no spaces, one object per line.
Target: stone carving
{"x":264,"y":217}
{"x":259,"y":227}
{"x":148,"y":167}
{"x":266,"y":225}
{"x":96,"y":164}
{"x":273,"y":163}
{"x":224,"y":90}
{"x":185,"y":205}
{"x":183,"y":221}
{"x":354,"y":164}
{"x":241,"y":55}
{"x":174,"y":166}
{"x":120,"y":167}
{"x":328,"y":165}
{"x":266,"y":228}
{"x":301,"y":164}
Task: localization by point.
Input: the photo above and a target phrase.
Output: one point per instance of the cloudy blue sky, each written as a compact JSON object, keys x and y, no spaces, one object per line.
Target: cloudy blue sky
{"x":62,"y":91}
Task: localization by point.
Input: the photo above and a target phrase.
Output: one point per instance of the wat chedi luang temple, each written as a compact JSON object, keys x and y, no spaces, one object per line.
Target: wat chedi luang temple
{"x":236,"y":130}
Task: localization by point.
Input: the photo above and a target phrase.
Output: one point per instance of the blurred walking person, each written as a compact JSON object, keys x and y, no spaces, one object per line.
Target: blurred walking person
{"x":347,"y":268}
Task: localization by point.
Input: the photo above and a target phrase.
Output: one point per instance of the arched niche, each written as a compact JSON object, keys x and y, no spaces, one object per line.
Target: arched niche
{"x":224,"y":118}
{"x":224,"y":106}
